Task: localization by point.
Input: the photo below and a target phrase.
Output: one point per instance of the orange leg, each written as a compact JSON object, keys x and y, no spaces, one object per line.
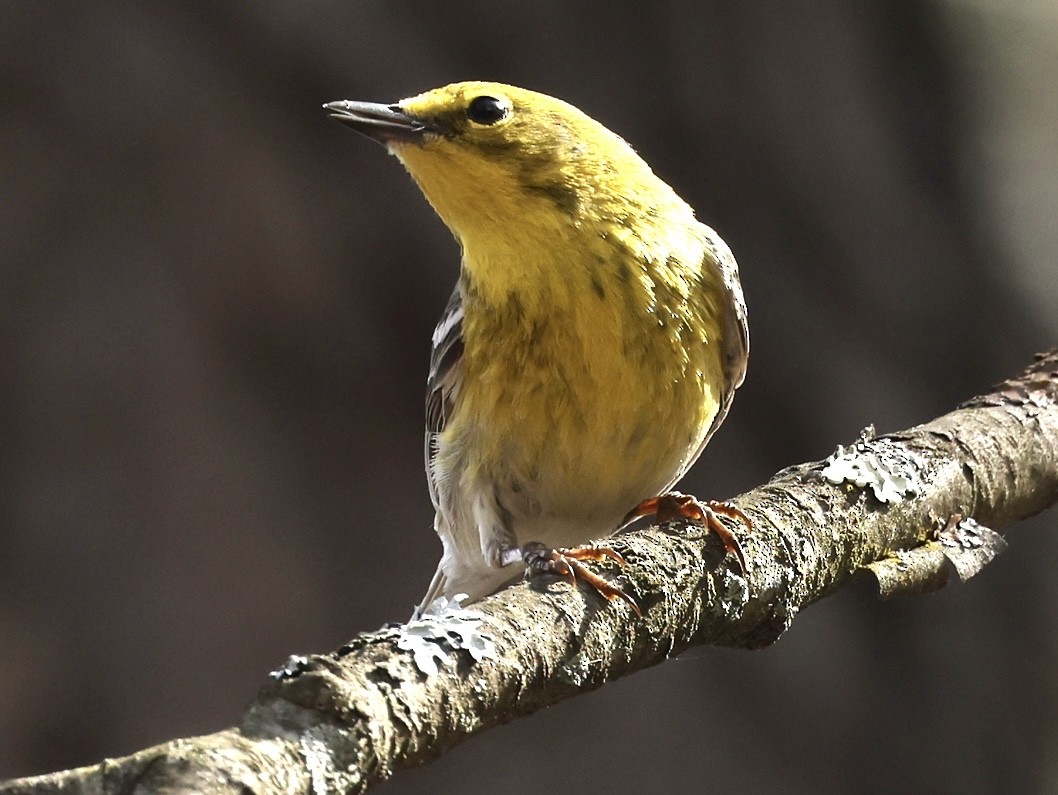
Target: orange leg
{"x":539,"y":559}
{"x":674,"y":505}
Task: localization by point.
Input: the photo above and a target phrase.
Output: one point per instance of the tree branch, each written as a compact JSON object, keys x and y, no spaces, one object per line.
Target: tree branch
{"x":912,"y":506}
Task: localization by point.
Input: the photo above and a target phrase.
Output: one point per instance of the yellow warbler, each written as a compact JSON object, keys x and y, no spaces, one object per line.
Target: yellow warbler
{"x":593,"y":343}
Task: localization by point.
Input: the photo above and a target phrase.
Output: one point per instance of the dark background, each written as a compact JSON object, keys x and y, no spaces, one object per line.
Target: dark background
{"x":216,"y":307}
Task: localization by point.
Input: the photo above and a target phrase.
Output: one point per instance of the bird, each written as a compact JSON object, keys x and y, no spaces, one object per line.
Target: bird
{"x":591,"y":347}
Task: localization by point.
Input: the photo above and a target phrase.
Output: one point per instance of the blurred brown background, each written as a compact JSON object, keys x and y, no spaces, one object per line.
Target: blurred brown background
{"x":216,"y":307}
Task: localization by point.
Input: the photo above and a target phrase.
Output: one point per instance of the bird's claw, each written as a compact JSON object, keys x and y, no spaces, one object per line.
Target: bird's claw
{"x":540,"y":559}
{"x":675,"y":505}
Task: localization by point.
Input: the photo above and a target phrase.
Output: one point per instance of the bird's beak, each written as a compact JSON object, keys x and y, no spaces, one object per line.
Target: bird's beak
{"x":383,"y":123}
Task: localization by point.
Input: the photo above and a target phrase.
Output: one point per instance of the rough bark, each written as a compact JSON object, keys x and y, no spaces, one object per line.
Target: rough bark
{"x":345,"y":720}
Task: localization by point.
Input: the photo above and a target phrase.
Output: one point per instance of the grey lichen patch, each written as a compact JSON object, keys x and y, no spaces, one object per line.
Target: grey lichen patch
{"x":889,"y":470}
{"x":445,"y":626}
{"x":295,"y":665}
{"x":968,"y":545}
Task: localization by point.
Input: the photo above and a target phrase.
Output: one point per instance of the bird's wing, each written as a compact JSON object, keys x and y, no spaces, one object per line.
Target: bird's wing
{"x":735,"y":343}
{"x":736,"y":325}
{"x":446,"y":374}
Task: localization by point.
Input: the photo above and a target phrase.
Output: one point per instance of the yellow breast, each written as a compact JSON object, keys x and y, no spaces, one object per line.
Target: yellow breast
{"x":592,"y":389}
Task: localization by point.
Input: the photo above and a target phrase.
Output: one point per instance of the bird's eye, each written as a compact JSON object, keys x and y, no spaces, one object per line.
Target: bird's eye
{"x":487,"y":110}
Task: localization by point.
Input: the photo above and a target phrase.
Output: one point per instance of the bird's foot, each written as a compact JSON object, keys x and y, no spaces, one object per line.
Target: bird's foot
{"x":674,"y":505}
{"x":569,"y":563}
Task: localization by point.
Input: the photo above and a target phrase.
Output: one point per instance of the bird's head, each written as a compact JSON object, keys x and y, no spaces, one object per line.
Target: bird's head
{"x":491,"y":157}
